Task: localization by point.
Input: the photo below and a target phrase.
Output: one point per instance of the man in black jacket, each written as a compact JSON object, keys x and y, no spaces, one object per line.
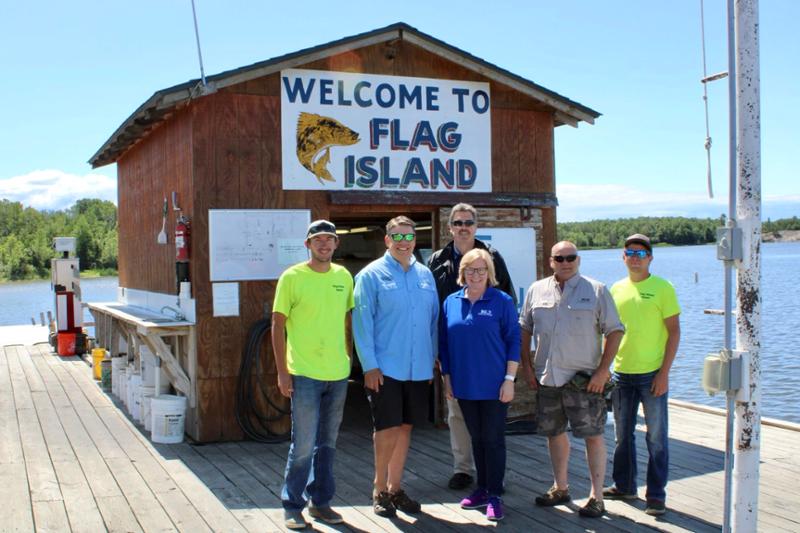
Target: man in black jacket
{"x":444,"y":263}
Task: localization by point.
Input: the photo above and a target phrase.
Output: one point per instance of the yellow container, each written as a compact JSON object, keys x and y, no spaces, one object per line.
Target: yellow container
{"x":98,"y":354}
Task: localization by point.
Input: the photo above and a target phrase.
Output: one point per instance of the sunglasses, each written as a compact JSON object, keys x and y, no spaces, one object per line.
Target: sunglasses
{"x":459,"y":223}
{"x":400,"y":237}
{"x":641,"y":254}
{"x":479,"y":271}
{"x":568,"y":258}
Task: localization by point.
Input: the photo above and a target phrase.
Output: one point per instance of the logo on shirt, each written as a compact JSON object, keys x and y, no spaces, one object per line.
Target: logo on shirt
{"x":485,"y":312}
{"x":338,"y":288}
{"x":586,"y":300}
{"x":646,"y":295}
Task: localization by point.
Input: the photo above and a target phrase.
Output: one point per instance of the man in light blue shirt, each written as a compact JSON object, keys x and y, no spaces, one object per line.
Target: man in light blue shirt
{"x":395,"y":323}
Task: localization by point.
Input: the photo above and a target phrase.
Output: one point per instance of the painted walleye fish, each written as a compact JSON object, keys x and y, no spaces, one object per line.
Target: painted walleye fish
{"x":315,"y":136}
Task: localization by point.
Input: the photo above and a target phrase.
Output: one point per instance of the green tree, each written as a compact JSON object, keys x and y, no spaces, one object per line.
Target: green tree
{"x":27,"y":255}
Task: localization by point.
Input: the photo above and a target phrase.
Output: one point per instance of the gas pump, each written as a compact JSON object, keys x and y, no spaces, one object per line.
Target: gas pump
{"x":65,"y":283}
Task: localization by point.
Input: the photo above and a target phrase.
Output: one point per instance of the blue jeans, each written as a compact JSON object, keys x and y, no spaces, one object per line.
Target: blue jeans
{"x":486,"y":422}
{"x":317,"y":408}
{"x":633,"y":389}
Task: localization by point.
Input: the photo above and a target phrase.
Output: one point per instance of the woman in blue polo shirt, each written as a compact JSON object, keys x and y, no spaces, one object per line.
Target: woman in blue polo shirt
{"x":479,"y":343}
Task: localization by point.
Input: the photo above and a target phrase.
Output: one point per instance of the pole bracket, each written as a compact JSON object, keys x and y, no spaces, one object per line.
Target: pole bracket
{"x":729,"y":244}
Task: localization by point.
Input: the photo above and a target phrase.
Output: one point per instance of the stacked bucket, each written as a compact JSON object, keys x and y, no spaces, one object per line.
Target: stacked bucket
{"x":163,"y":414}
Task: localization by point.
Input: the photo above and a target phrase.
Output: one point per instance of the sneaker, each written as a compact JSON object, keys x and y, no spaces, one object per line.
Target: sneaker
{"x":613,"y":493}
{"x":402,"y":502}
{"x":293,"y":519}
{"x":553,"y":497}
{"x":655,"y":508}
{"x":592,"y":509}
{"x":494,"y":510}
{"x":478,"y":499}
{"x":382,"y":505}
{"x":460,"y":481}
{"x":326,"y":514}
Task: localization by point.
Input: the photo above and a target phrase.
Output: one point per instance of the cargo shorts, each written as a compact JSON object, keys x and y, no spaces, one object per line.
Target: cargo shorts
{"x":585,"y":411}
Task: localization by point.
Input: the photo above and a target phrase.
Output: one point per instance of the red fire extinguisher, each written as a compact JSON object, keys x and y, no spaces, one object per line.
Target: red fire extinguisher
{"x":182,"y":240}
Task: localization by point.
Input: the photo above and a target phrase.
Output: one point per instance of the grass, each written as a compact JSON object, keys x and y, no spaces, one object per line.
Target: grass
{"x":89,"y":273}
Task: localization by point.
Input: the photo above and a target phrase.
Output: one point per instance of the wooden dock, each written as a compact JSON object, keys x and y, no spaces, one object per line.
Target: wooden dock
{"x":72,"y":460}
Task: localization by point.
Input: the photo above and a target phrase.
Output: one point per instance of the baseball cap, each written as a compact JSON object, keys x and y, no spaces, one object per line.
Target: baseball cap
{"x":638,"y":238}
{"x":321,"y":227}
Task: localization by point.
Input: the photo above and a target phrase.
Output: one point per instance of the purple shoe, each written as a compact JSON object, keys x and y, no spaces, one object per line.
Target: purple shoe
{"x":478,"y":499}
{"x":494,"y":510}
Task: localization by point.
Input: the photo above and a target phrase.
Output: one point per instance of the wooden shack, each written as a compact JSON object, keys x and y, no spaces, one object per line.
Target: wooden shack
{"x":219,"y":147}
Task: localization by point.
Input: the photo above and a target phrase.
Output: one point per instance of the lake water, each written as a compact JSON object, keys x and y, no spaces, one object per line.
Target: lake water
{"x":19,"y":301}
{"x":700,"y":335}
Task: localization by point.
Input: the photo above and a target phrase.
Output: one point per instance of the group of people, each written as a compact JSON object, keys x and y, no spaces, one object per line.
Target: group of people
{"x":459,"y":313}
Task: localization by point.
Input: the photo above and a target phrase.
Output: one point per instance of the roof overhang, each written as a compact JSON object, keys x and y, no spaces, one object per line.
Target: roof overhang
{"x":159,"y":106}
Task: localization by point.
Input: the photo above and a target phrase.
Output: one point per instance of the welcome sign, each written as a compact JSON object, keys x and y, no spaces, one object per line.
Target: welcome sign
{"x":347,"y":131}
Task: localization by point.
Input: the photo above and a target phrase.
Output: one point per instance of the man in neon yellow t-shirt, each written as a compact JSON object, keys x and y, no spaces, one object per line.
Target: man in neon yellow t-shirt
{"x":311,"y":340}
{"x":648,"y":307}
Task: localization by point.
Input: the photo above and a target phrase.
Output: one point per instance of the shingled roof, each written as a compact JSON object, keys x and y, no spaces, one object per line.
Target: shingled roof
{"x":163,"y":102}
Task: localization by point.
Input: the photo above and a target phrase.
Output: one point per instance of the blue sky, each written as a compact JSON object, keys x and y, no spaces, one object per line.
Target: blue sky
{"x":73,"y":71}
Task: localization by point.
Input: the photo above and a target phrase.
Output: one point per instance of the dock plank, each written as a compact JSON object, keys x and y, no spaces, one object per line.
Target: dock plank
{"x":138,"y":452}
{"x":35,"y":383}
{"x":257,"y":496}
{"x":96,"y":407}
{"x":50,"y":516}
{"x":19,"y":384}
{"x":117,"y":514}
{"x":14,"y":488}
{"x":42,"y":479}
{"x":10,"y":444}
{"x":207,"y":505}
{"x":71,"y":460}
{"x":79,"y":503}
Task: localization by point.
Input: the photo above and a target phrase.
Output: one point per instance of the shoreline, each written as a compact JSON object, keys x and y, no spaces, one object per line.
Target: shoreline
{"x":91,"y":275}
{"x":782,"y":236}
{"x":786,"y":235}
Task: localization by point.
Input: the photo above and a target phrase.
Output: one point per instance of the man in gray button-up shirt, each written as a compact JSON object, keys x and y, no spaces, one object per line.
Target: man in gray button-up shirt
{"x":567,"y":315}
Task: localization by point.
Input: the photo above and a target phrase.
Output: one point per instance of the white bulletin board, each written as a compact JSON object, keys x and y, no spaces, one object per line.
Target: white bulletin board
{"x":518,"y":248}
{"x":255,"y":244}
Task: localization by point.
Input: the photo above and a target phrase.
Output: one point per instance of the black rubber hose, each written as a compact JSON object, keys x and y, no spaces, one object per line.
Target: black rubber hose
{"x":253,"y":385}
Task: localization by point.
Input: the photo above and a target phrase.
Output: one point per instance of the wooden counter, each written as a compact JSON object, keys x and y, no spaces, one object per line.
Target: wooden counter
{"x":142,"y":326}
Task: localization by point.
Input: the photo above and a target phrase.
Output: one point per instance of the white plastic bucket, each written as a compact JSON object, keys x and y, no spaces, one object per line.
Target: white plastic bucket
{"x":168,"y":418}
{"x":145,"y":393}
{"x":122,"y":384}
{"x":149,"y":363}
{"x":134,"y":382}
{"x":118,"y":365}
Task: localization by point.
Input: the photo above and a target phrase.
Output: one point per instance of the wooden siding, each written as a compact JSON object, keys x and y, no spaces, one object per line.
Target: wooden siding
{"x":147,"y":173}
{"x":522,"y":129}
{"x":224,"y":152}
{"x":237,"y":166}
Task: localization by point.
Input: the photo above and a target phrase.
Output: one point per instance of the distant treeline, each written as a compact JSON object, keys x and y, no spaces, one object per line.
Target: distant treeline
{"x":661,"y":230}
{"x":26,"y":237}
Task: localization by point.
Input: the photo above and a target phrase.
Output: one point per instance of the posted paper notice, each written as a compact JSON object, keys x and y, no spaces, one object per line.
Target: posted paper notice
{"x":225,"y":297}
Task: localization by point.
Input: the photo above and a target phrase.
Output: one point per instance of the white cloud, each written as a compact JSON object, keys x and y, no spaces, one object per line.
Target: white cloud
{"x":587,"y":202}
{"x":55,"y":189}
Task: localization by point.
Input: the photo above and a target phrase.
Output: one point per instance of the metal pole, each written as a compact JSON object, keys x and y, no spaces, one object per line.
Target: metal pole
{"x":747,"y":424}
{"x":199,"y":54}
{"x":728,"y":266}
